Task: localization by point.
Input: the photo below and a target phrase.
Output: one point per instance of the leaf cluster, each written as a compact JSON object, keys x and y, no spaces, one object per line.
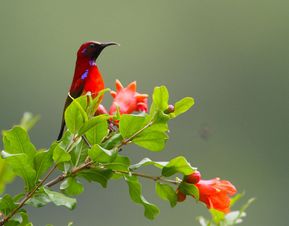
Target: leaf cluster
{"x":90,"y":150}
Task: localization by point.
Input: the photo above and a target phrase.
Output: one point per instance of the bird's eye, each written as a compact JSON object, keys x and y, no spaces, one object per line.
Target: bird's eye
{"x":91,"y":45}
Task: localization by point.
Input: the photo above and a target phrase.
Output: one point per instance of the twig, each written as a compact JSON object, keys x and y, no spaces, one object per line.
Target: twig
{"x":83,"y":166}
{"x":31,"y":193}
{"x":154,"y":178}
{"x":27,"y":197}
{"x":73,"y":172}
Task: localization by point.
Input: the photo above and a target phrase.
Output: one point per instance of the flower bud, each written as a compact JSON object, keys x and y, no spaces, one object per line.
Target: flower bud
{"x":193,"y":178}
{"x":170,"y":109}
{"x":180,"y":196}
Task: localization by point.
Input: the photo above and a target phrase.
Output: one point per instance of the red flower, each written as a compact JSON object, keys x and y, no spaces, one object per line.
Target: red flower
{"x":127,"y":99}
{"x":215,"y":193}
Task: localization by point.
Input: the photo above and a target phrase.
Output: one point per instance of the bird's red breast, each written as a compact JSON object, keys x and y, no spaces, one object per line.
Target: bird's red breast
{"x":87,"y":78}
{"x":94,"y":82}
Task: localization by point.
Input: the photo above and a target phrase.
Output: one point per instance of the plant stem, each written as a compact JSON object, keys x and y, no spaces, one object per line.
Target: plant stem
{"x":81,"y":167}
{"x":27,"y":197}
{"x":73,"y":172}
{"x":154,"y":178}
{"x":31,"y":193}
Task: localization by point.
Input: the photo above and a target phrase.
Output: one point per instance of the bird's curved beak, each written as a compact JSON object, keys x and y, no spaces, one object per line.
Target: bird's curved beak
{"x":105,"y":44}
{"x":101,"y":46}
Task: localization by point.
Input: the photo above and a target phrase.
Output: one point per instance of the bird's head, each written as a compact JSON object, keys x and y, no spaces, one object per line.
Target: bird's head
{"x":91,"y":50}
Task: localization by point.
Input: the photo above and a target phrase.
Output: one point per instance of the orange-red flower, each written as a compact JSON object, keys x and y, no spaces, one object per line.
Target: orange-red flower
{"x":127,"y":99}
{"x":215,"y":193}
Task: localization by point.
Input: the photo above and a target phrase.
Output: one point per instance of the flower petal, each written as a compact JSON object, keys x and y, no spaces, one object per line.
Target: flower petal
{"x":118,"y":85}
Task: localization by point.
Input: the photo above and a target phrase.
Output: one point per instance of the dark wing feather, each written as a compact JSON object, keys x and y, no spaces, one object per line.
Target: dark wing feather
{"x":74,"y":94}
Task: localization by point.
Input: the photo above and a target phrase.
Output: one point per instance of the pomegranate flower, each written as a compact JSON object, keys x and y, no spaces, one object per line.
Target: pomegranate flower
{"x":127,"y":99}
{"x":215,"y":193}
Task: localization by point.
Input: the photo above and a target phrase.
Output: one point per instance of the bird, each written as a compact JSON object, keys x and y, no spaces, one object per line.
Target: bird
{"x":87,"y":77}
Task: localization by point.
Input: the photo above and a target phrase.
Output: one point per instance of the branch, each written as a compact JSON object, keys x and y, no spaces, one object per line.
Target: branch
{"x":27,"y":197}
{"x":31,"y":193}
{"x":73,"y":172}
{"x":87,"y":164}
{"x":154,"y":178}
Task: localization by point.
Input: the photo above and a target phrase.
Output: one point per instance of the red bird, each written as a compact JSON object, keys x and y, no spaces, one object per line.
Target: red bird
{"x":87,"y":77}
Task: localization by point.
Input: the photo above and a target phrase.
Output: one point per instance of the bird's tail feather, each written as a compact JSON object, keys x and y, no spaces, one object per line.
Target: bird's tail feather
{"x":67,"y":103}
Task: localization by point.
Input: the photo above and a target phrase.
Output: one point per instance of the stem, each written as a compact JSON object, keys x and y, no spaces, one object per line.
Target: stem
{"x":27,"y":197}
{"x":86,"y":141}
{"x":73,"y":172}
{"x":154,"y":178}
{"x":31,"y":193}
{"x":88,"y":164}
{"x":83,"y":166}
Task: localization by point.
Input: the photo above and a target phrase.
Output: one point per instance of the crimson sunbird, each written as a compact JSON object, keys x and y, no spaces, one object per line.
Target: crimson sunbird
{"x":87,"y":77}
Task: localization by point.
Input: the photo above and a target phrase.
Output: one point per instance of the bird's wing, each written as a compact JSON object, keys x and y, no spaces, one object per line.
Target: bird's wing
{"x":75,"y":91}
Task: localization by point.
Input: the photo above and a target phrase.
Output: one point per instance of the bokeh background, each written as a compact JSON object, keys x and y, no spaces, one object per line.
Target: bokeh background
{"x":231,"y":56}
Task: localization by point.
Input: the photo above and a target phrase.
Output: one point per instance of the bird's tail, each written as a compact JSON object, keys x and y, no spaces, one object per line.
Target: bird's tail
{"x":61,"y":129}
{"x":67,"y":102}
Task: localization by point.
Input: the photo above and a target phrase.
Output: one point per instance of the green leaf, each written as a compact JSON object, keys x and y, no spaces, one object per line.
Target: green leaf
{"x":151,"y":137}
{"x":160,"y":99}
{"x":18,"y":196}
{"x":39,"y":199}
{"x":166,"y":192}
{"x":100,"y":154}
{"x":24,"y":219}
{"x":120,"y":163}
{"x":60,"y":199}
{"x":94,"y":121}
{"x":17,"y":141}
{"x":153,"y":140}
{"x":66,"y":140}
{"x":182,"y":106}
{"x":75,"y":115}
{"x":97,"y":175}
{"x":94,"y":102}
{"x":189,"y":189}
{"x":29,"y":120}
{"x":60,"y":155}
{"x":6,"y":174}
{"x":217,"y":216}
{"x":96,"y":134}
{"x":79,"y":153}
{"x":19,"y":219}
{"x":178,"y":165}
{"x":6,"y":204}
{"x":42,"y":162}
{"x":113,"y":141}
{"x":146,"y":162}
{"x":130,"y":124}
{"x":135,"y":191}
{"x":236,"y":198}
{"x":20,"y":152}
{"x":70,"y":186}
{"x":21,"y":165}
{"x":247,"y":204}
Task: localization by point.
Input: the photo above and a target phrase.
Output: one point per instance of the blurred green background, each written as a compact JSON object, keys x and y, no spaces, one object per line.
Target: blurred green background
{"x":231,"y":56}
